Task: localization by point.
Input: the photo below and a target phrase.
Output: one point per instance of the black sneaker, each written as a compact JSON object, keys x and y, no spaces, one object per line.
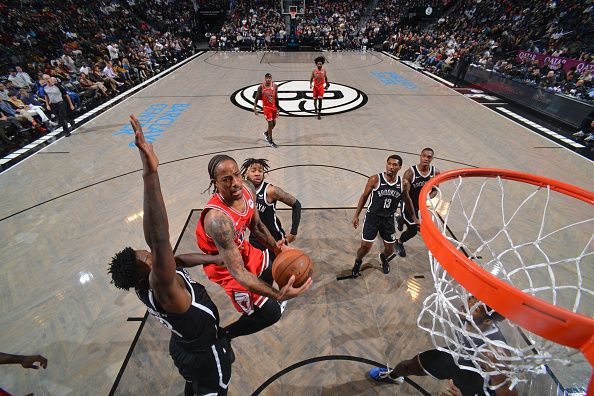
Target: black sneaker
{"x":400,"y":249}
{"x":400,"y":222}
{"x":272,"y":144}
{"x":385,"y":264}
{"x":356,"y":271}
{"x":67,"y":133}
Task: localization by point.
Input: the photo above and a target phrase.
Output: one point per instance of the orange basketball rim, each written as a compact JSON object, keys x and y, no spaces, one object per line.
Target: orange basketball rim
{"x":537,"y":316}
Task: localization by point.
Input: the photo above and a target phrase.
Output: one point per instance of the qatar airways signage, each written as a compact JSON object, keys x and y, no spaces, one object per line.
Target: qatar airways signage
{"x":556,"y":62}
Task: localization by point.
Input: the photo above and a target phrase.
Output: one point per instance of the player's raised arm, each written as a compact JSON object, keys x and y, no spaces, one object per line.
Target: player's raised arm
{"x":277,"y":194}
{"x":156,"y":228}
{"x":371,"y":183}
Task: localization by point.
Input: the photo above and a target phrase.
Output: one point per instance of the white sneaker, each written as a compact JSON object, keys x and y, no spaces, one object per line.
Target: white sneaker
{"x":283,"y":305}
{"x":589,"y":138}
{"x":579,"y":134}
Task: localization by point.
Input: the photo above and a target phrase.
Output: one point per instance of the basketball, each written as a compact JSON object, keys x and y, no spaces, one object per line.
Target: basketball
{"x":292,"y":262}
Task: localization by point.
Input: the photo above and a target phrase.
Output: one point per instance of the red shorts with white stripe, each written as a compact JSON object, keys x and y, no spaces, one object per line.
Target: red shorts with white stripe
{"x":318,"y":92}
{"x":270,"y":113}
{"x":255,"y":261}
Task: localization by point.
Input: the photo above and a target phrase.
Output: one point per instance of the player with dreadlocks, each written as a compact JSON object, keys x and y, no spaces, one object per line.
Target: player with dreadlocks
{"x":170,"y":294}
{"x":267,"y":195}
{"x":268,"y":92}
{"x":318,"y":82}
{"x":246,"y":275}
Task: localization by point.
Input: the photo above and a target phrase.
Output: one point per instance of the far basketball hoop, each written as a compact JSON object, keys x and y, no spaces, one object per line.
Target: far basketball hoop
{"x":293,"y":11}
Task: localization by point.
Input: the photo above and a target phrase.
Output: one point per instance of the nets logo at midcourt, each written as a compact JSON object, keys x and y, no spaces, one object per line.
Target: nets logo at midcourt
{"x":296,"y":100}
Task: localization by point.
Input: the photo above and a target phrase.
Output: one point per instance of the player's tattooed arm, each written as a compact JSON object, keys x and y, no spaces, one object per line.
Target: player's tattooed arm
{"x":408,"y":203}
{"x":220,"y":227}
{"x":371,"y":183}
{"x":259,"y":229}
{"x":278,"y":194}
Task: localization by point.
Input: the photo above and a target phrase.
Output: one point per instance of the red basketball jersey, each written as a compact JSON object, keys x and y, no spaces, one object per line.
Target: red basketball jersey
{"x":241,"y":222}
{"x":269,"y":96}
{"x":319,"y":77}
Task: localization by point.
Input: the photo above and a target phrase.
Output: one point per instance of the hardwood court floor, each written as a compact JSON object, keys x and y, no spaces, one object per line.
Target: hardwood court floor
{"x":66,"y":210}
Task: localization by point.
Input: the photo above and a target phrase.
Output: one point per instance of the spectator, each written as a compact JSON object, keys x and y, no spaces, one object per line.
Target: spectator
{"x":31,"y":110}
{"x":86,"y":83}
{"x":17,"y":81}
{"x":58,"y":101}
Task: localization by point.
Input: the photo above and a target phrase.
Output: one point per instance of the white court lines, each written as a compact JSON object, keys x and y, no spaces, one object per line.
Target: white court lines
{"x":119,"y":98}
{"x":540,"y":128}
{"x":446,"y":82}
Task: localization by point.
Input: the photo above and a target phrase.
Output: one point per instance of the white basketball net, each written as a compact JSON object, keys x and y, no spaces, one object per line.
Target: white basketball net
{"x":530,"y":238}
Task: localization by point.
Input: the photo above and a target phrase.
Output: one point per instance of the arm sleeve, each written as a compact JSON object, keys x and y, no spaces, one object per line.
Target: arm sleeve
{"x":296,"y":217}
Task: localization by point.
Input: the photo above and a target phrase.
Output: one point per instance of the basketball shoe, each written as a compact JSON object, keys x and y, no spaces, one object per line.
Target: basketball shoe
{"x":383,"y":375}
{"x":400,"y":249}
{"x":356,"y":271}
{"x":385,"y":263}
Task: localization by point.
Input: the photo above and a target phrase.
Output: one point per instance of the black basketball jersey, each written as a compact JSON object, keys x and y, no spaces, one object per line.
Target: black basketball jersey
{"x":267,"y":212}
{"x":196,"y":329}
{"x":418,"y":181}
{"x":471,"y":343}
{"x":385,"y":197}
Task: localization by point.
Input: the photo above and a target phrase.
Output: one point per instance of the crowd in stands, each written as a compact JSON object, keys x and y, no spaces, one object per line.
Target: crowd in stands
{"x":485,"y":33}
{"x":490,"y":33}
{"x":257,"y":25}
{"x":332,"y":25}
{"x":94,"y":51}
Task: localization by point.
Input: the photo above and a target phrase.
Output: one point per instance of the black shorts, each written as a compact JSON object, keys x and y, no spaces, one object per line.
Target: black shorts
{"x":441,"y":365}
{"x":208,"y":370}
{"x":373,"y":224}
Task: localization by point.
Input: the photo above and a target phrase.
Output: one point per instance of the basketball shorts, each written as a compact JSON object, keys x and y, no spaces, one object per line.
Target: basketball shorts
{"x":318,"y":92}
{"x":209,"y":370}
{"x":269,"y":114}
{"x":244,"y":301}
{"x":373,"y":224}
{"x":441,"y":365}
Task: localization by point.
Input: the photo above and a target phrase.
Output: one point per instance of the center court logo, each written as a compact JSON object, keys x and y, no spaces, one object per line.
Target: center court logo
{"x":296,"y":100}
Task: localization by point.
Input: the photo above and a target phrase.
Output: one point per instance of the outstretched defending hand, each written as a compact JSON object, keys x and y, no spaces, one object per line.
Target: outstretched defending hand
{"x":30,"y":361}
{"x":288,"y":291}
{"x":150,"y":162}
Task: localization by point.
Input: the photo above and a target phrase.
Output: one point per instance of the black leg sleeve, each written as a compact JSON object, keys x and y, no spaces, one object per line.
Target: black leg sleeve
{"x":411,"y":231}
{"x":263,"y":317}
